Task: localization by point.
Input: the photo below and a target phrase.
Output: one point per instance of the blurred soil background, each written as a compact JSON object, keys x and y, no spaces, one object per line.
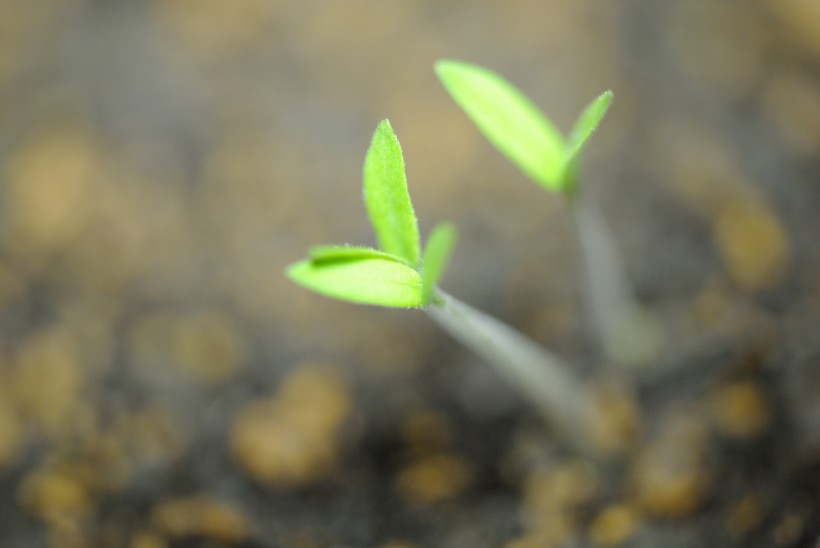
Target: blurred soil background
{"x":162,"y":384}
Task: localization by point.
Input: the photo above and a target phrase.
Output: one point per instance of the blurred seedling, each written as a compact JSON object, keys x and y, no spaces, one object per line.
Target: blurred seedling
{"x":521,"y":131}
{"x":400,"y":274}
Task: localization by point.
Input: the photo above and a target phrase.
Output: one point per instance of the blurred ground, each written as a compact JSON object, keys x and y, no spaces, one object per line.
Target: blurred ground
{"x":162,"y":384}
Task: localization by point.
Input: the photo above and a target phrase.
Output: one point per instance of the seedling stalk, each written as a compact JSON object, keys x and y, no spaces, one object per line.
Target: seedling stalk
{"x":518,"y":128}
{"x":628,"y":336}
{"x":543,"y":378}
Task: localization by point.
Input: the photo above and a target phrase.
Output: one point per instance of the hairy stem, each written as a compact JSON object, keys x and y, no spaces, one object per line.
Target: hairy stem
{"x":543,"y":378}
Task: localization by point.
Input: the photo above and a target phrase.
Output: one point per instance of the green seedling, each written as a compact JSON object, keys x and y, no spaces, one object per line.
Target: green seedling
{"x":400,"y":275}
{"x":394,"y":275}
{"x":522,"y":132}
{"x":518,"y":128}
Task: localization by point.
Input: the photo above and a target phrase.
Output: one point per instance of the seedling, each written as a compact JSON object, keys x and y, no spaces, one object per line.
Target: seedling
{"x":394,"y":275}
{"x":518,"y":128}
{"x":521,"y":131}
{"x":400,"y":275}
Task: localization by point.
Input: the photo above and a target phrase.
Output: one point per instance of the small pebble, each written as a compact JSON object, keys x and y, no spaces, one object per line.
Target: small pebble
{"x":670,"y":477}
{"x":614,"y":526}
{"x":741,"y":410}
{"x":434,"y":478}
{"x":753,"y":244}
{"x":293,"y":438}
{"x":198,"y":516}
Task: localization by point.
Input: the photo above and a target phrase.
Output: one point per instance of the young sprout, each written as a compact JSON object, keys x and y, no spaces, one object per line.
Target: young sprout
{"x":400,"y":275}
{"x":521,"y":131}
{"x":518,"y":128}
{"x":393,"y":275}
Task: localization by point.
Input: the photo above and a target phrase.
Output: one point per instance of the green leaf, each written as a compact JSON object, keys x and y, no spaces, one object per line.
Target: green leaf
{"x":386,"y":196}
{"x":364,"y":280}
{"x":508,"y":119}
{"x":587,"y":123}
{"x":440,"y":245}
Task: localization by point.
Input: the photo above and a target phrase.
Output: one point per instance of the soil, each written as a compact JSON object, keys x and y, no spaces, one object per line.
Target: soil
{"x":163,"y":385}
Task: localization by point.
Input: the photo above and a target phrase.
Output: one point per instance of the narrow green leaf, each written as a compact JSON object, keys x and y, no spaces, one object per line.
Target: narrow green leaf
{"x":364,"y":280}
{"x":587,"y":123}
{"x":508,"y":119}
{"x":440,"y":245}
{"x":348,"y":252}
{"x":386,"y":196}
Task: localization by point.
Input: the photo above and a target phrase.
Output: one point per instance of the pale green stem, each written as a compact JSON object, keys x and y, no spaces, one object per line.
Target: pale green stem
{"x":543,"y":378}
{"x":629,"y":337}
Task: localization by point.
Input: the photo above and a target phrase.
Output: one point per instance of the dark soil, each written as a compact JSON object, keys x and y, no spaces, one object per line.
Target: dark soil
{"x":163,"y":385}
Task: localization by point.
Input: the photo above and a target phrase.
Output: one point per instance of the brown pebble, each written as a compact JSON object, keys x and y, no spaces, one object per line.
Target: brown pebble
{"x":671,"y":477}
{"x":753,"y":243}
{"x":434,"y":478}
{"x":292,"y":438}
{"x":148,"y":539}
{"x":616,"y":426}
{"x":200,"y":516}
{"x":741,"y":410}
{"x":552,"y":495}
{"x":614,"y":526}
{"x":55,"y":496}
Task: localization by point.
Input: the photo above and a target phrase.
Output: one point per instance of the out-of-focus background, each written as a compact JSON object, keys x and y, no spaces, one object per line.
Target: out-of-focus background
{"x":162,"y":162}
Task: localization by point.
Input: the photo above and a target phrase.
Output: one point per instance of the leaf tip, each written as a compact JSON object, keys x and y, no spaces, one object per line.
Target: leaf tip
{"x":295,"y":270}
{"x":384,"y":125}
{"x":441,"y":66}
{"x":606,"y":98}
{"x":449,"y":70}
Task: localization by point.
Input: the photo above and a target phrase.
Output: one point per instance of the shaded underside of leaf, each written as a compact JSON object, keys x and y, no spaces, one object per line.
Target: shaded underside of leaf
{"x":386,"y":196}
{"x":369,"y":280}
{"x":440,"y":245}
{"x":507,"y":118}
{"x":326,"y":253}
